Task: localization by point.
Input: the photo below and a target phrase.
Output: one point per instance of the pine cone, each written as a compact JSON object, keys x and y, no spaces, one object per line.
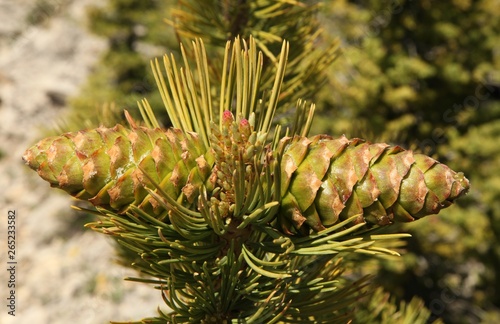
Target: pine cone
{"x":105,"y":165}
{"x":324,"y":180}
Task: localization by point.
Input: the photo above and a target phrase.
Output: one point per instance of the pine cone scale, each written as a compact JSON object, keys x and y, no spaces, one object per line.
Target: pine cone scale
{"x":343,"y":175}
{"x":119,"y":154}
{"x":435,"y":177}
{"x":367,"y":190}
{"x":71,"y":175}
{"x":361,"y":159}
{"x":328,"y":203}
{"x":415,"y":189}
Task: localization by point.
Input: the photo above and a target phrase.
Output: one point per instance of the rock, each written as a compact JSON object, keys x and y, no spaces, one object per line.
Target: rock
{"x":65,"y":274}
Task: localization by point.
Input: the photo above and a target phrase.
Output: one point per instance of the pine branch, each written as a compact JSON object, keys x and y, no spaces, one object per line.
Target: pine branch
{"x":236,"y":222}
{"x":216,"y":22}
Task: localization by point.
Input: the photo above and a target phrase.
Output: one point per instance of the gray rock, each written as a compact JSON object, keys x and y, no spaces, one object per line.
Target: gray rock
{"x":65,"y":274}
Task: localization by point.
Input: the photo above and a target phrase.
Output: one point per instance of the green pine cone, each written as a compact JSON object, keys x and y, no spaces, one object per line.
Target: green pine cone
{"x":324,"y":180}
{"x":105,"y":165}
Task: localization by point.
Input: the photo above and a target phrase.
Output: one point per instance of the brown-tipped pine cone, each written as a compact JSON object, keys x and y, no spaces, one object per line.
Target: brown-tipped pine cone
{"x":324,"y":180}
{"x":104,"y":165}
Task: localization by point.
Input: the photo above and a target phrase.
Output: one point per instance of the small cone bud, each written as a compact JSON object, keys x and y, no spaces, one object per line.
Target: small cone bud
{"x":227,"y":118}
{"x":245,"y":129}
{"x":236,"y":147}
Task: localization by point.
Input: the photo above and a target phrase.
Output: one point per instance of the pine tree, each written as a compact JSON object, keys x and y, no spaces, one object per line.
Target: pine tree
{"x":221,"y":210}
{"x":259,"y":204}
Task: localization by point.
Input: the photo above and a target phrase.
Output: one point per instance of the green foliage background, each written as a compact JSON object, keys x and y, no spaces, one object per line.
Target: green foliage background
{"x":136,"y":34}
{"x":423,"y":74}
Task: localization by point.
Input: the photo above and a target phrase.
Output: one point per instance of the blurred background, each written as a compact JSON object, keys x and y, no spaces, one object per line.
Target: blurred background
{"x":422,"y":74}
{"x":65,"y":274}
